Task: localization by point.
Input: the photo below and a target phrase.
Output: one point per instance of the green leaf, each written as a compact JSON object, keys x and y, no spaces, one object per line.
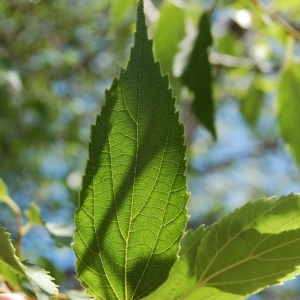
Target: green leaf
{"x":39,"y":279}
{"x":256,"y":246}
{"x":119,"y":10}
{"x":4,"y":197}
{"x":33,"y":214}
{"x":182,"y":275}
{"x":198,"y":78}
{"x":289,"y":108}
{"x":61,"y":234}
{"x":166,"y":41}
{"x":3,"y":189}
{"x":9,"y":275}
{"x":132,"y":211}
{"x":252,"y":102}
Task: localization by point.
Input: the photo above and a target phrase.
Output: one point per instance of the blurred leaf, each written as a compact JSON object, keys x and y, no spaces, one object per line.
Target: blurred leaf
{"x":119,"y":10}
{"x":40,"y":281}
{"x":77,"y":295}
{"x":289,"y":108}
{"x":182,"y":275}
{"x":4,"y":197}
{"x":280,"y":5}
{"x":198,"y":78}
{"x":33,"y":214}
{"x":132,"y":209}
{"x":256,"y":246}
{"x":9,"y":275}
{"x":166,"y":41}
{"x":3,"y":190}
{"x":61,"y":234}
{"x":251,"y":104}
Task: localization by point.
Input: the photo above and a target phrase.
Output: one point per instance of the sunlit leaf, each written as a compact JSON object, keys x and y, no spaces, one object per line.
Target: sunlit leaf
{"x":255,"y":246}
{"x":4,"y":197}
{"x":198,"y":78}
{"x":166,"y":41}
{"x":119,"y":10}
{"x":132,"y":212}
{"x":39,"y":279}
{"x":3,"y":189}
{"x":289,"y":108}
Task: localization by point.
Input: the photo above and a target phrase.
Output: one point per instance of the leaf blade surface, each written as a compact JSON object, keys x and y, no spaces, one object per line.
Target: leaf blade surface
{"x":132,"y":212}
{"x":256,"y":246}
{"x":197,"y":76}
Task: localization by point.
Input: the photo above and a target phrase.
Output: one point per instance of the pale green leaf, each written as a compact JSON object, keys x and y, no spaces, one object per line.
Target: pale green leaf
{"x":166,"y":41}
{"x":182,"y":275}
{"x":119,"y":10}
{"x":3,"y":189}
{"x":9,"y":275}
{"x":40,"y":281}
{"x":61,"y":234}
{"x":254,"y":247}
{"x":132,"y":211}
{"x":4,"y":197}
{"x":33,"y":214}
{"x":286,"y":5}
{"x":289,"y":108}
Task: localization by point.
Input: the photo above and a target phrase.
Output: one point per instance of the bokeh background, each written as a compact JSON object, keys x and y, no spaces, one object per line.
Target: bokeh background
{"x":58,"y":57}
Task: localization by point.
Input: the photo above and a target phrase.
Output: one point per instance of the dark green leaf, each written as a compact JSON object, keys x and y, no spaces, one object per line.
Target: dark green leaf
{"x":198,"y":78}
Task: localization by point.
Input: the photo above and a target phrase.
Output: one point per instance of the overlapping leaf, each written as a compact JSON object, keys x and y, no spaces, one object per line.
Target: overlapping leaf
{"x":39,"y":279}
{"x":132,"y":211}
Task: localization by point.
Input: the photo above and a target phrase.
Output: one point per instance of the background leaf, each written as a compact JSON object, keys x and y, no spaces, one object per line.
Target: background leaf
{"x":256,"y":246}
{"x":39,"y":279}
{"x":119,"y":10}
{"x":166,"y":41}
{"x":198,"y":78}
{"x":132,"y":211}
{"x":253,"y":101}
{"x":289,"y":108}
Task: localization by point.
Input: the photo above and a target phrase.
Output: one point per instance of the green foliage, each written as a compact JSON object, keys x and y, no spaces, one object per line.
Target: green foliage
{"x":198,"y":78}
{"x":166,"y":41}
{"x":40,"y":281}
{"x":55,"y":60}
{"x":289,"y":108}
{"x":136,"y":177}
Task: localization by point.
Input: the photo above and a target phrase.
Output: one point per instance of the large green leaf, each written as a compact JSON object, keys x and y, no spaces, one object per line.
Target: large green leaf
{"x":256,"y":246}
{"x":132,"y":211}
{"x":198,"y":78}
{"x":39,"y":279}
{"x":289,"y":108}
{"x":166,"y":41}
